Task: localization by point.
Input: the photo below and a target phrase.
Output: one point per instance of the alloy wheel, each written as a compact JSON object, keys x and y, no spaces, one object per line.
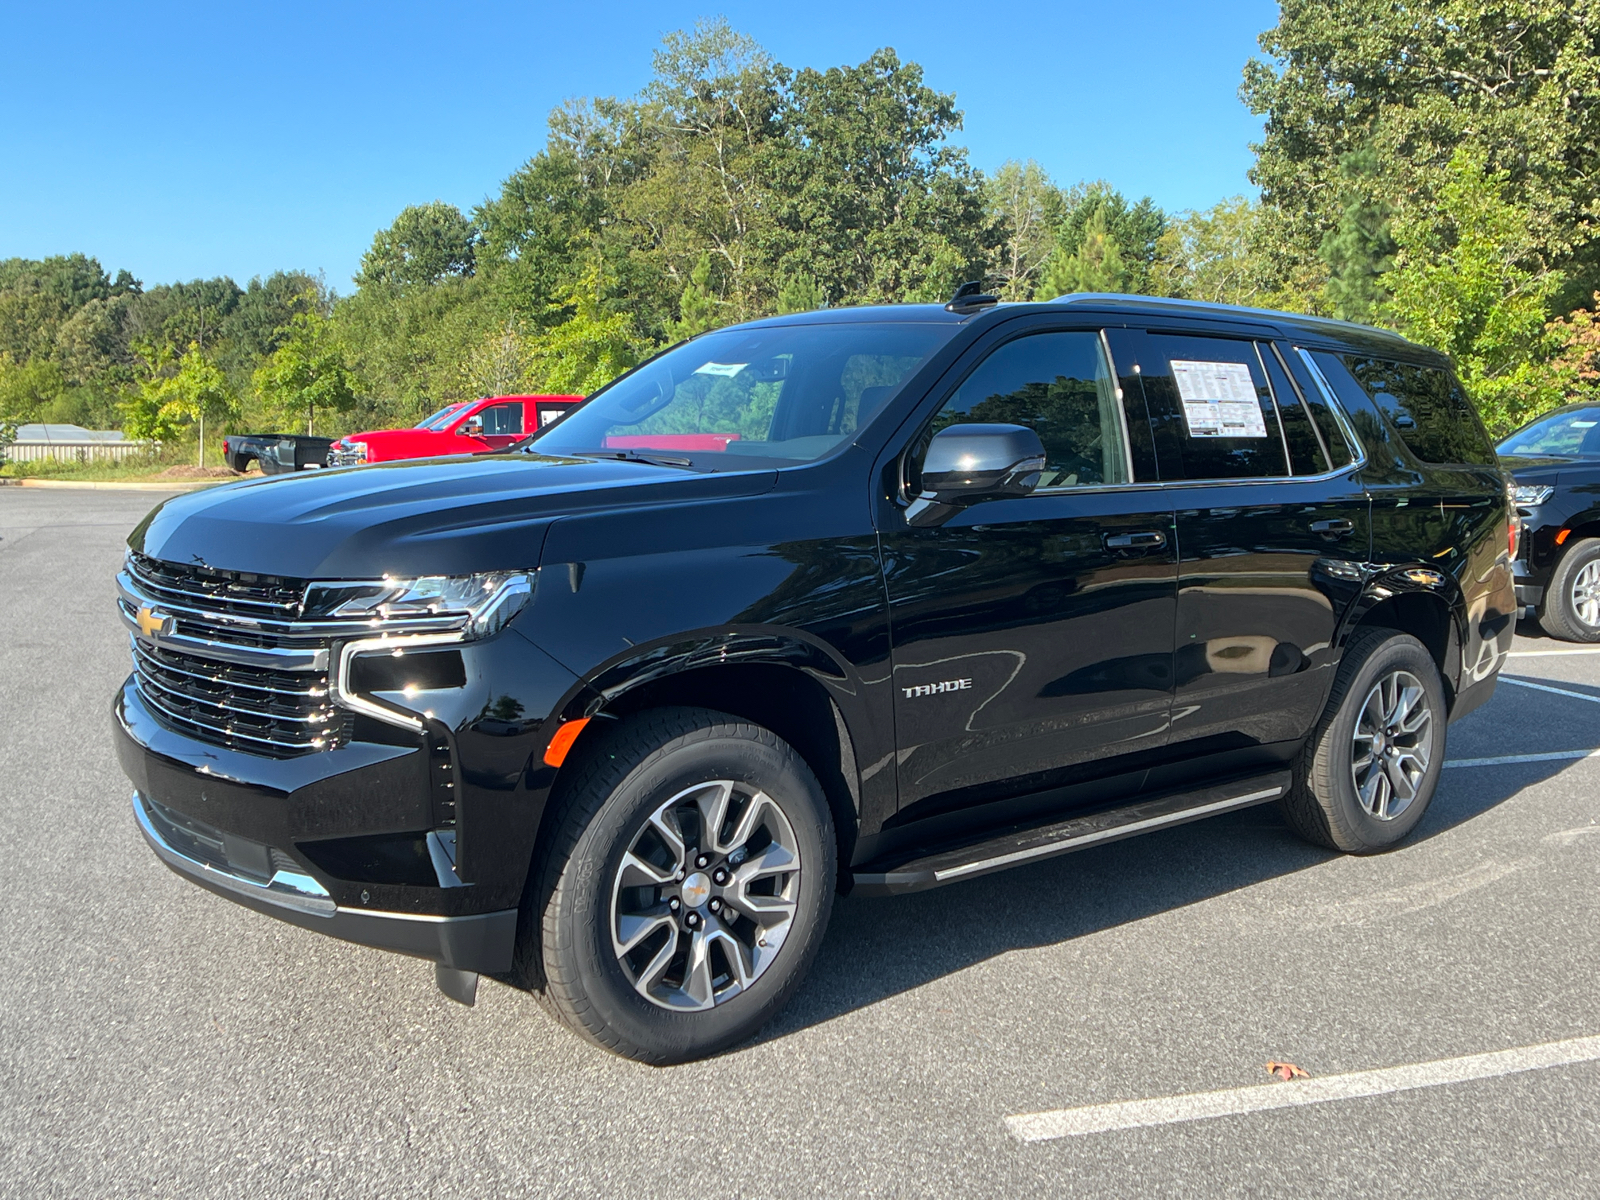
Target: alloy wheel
{"x":1586,"y":594}
{"x":705,"y":895}
{"x":1393,"y":745}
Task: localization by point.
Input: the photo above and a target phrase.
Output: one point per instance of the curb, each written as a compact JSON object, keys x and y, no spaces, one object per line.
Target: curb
{"x":113,"y":487}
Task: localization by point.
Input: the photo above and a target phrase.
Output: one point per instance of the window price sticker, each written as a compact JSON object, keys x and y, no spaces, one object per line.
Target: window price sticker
{"x":1219,"y":399}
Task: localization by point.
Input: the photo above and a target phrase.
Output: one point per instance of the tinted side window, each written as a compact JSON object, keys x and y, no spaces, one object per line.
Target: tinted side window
{"x":502,"y":419}
{"x":1229,"y":427}
{"x":1427,"y":406}
{"x":1060,"y":386}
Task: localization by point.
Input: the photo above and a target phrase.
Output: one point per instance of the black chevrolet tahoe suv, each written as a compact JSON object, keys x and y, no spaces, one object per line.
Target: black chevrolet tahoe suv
{"x":868,"y":599}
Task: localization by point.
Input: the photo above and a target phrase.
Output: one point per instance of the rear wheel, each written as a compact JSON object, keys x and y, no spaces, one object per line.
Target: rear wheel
{"x":688,"y":888}
{"x":1570,"y":609}
{"x":1370,"y":768}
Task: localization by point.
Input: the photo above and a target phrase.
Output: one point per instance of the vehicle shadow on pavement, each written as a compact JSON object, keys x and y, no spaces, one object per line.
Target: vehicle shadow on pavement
{"x":878,"y":948}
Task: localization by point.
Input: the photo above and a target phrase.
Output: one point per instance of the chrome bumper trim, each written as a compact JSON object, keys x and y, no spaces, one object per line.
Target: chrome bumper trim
{"x":285,"y":889}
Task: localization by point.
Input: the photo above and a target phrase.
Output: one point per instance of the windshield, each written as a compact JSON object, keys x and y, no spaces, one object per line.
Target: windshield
{"x":1575,"y":434}
{"x":787,"y":392}
{"x":441,"y":418}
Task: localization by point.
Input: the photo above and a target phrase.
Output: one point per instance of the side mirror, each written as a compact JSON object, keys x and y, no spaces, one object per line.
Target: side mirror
{"x":966,"y":464}
{"x":472,"y":428}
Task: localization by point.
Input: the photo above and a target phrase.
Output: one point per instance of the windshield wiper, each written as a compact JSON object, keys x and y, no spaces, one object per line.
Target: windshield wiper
{"x":657,"y":460}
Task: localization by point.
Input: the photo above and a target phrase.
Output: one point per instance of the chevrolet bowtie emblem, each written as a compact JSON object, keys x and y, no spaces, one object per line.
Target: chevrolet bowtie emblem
{"x":152,"y":622}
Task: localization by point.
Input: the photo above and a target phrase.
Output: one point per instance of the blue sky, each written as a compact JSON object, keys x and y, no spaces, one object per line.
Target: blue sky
{"x":194,"y":140}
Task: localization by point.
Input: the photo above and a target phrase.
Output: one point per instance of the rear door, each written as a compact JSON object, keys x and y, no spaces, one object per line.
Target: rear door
{"x":1270,"y":537}
{"x":1032,"y":637}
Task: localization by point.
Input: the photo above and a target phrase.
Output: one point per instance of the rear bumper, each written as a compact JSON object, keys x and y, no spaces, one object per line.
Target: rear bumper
{"x":481,"y":942}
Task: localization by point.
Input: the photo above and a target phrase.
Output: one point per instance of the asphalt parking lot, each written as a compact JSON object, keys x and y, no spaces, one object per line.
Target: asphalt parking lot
{"x":157,"y":1040}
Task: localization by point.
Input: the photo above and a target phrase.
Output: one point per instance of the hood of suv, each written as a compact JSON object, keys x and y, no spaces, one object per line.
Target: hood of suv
{"x":436,"y":516}
{"x":1540,"y":470}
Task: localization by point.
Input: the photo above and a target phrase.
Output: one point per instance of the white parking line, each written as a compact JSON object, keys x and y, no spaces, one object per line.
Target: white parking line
{"x":1548,"y":653}
{"x":1544,"y":687}
{"x":1201,"y":1106}
{"x":1503,"y":759}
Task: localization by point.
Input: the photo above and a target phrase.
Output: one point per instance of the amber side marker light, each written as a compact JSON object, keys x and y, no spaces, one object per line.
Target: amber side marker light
{"x":556,"y":753}
{"x":1562,"y":536}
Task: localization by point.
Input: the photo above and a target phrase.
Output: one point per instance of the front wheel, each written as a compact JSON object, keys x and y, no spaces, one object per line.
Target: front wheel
{"x":1570,"y":609}
{"x":689,"y":887}
{"x":1370,"y":767}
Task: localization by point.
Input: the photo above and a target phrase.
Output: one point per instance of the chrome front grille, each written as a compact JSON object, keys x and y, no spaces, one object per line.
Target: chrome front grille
{"x":233,"y":666}
{"x":278,"y":713}
{"x":233,"y":658}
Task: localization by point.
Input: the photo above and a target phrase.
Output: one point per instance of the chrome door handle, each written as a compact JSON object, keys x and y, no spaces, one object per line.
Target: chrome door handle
{"x":1152,"y":539}
{"x":1337,"y":527}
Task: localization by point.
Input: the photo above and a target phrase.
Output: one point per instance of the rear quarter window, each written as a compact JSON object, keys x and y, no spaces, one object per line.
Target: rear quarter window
{"x":1427,"y":408}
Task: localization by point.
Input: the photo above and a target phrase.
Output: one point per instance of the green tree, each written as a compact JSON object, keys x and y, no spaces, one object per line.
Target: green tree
{"x":1213,"y":256}
{"x":27,"y":390}
{"x":799,"y":293}
{"x":426,"y":243}
{"x":873,"y":202}
{"x":1468,"y":280}
{"x":585,"y":352}
{"x":307,"y":373}
{"x":1360,"y":248}
{"x":1412,"y":82}
{"x":1096,"y":265}
{"x":698,"y":307}
{"x":1025,"y":209}
{"x":179,"y":393}
{"x":1098,"y":210}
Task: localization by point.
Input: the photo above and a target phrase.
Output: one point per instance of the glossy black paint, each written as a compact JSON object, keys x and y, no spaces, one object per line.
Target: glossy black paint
{"x":801,"y":597}
{"x":1572,"y":513}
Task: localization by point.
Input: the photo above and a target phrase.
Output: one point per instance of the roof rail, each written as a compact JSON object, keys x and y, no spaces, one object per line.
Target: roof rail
{"x":1125,"y":298}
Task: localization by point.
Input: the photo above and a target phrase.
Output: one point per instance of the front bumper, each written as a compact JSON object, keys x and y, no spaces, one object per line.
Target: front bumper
{"x":247,"y":827}
{"x":481,"y":942}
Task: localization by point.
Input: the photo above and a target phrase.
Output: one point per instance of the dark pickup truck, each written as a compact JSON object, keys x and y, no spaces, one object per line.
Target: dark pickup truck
{"x":278,"y":453}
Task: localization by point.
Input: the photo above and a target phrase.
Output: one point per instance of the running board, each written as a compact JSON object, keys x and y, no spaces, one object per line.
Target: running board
{"x":1075,"y":833}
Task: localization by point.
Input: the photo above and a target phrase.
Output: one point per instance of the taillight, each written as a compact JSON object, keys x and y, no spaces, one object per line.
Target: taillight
{"x":1513,"y":521}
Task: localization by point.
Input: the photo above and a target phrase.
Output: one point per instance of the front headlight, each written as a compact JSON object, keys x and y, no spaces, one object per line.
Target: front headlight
{"x":1531,"y":495}
{"x":475,"y":605}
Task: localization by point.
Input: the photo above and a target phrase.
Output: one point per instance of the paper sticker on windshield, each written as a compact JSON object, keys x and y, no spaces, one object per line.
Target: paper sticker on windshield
{"x":727,"y":370}
{"x":1219,"y":399}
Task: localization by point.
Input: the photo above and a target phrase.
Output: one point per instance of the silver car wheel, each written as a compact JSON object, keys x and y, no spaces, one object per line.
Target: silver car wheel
{"x":1393,"y":745}
{"x":705,"y":895}
{"x":1586,"y":595}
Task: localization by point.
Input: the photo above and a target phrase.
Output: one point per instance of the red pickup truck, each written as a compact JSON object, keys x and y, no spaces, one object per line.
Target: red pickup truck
{"x":470,"y":427}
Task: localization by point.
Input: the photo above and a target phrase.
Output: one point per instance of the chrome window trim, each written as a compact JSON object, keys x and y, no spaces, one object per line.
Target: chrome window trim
{"x":1283,"y":436}
{"x":1122,"y":410}
{"x":1341,"y":418}
{"x":1294,"y":385}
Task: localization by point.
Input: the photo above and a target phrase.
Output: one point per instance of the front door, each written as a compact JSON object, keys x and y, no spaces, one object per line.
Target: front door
{"x":1032,"y":637}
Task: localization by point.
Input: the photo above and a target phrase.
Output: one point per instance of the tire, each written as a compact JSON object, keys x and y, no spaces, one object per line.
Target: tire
{"x":642,"y":794}
{"x":1325,"y":805}
{"x":1570,"y":609}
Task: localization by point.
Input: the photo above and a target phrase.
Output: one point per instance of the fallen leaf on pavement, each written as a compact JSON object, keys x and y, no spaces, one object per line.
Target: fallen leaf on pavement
{"x":1285,"y":1070}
